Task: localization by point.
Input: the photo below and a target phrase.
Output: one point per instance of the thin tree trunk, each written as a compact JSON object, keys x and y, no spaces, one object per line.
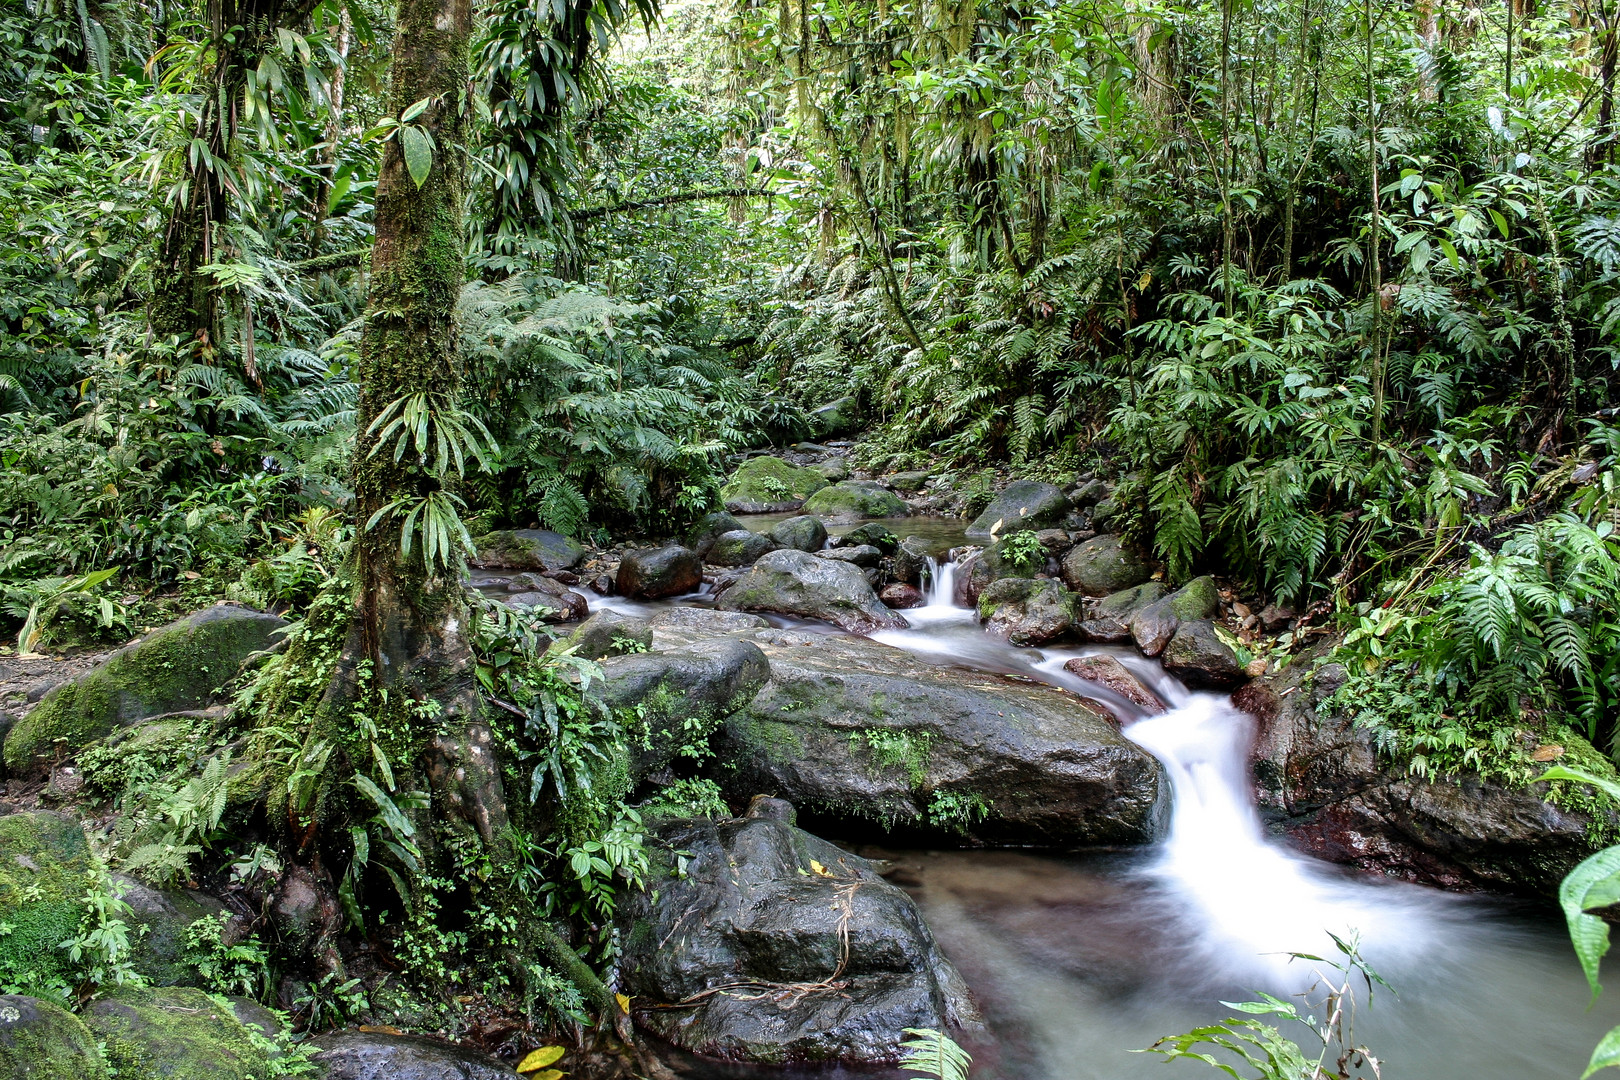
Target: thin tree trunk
{"x":1374,"y":269}
{"x":334,"y":128}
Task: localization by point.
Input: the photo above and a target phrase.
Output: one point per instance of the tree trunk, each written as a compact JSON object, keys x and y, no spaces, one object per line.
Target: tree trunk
{"x":409,"y":618}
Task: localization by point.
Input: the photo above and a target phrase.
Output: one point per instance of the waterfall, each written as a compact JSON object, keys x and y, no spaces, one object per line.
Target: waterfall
{"x":1258,"y":901}
{"x":939,"y":579}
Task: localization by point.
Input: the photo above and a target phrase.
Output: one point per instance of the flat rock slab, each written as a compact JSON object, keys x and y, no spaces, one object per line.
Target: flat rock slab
{"x":856,"y":729}
{"x":365,"y":1055}
{"x":527,"y":549}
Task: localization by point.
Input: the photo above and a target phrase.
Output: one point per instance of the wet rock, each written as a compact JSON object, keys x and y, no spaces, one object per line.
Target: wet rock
{"x":1104,"y":565}
{"x":175,"y":1033}
{"x":841,"y":417}
{"x":682,"y":694}
{"x":834,"y":469}
{"x":909,"y":481}
{"x":911,"y":560}
{"x":1026,"y":611}
{"x":1274,"y":618}
{"x":40,"y":1040}
{"x":166,"y":915}
{"x":828,"y":964}
{"x":796,"y":583}
{"x":1024,"y":504}
{"x":554,"y":601}
{"x":1089,"y":493}
{"x":973,"y":573}
{"x":857,"y":730}
{"x":527,"y":549}
{"x":709,"y":529}
{"x":44,"y":865}
{"x":681,"y":625}
{"x":655,"y":573}
{"x":365,"y":1055}
{"x":1113,"y":676}
{"x":864,"y":556}
{"x":855,"y":500}
{"x":1108,"y":619}
{"x":1102,"y":515}
{"x":802,"y":533}
{"x":739,"y":547}
{"x":303,"y":910}
{"x":902,"y":597}
{"x":872,"y":533}
{"x":769,"y":485}
{"x":1199,"y":658}
{"x":169,"y":670}
{"x":1154,"y":625}
{"x":609,"y":633}
{"x":1322,"y":785}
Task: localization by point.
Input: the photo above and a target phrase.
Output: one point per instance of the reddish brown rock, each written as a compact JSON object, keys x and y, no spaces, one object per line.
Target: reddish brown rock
{"x":900,"y":596}
{"x":1114,"y":676}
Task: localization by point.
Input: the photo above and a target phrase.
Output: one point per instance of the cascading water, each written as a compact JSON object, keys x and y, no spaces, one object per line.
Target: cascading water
{"x":1078,"y":960}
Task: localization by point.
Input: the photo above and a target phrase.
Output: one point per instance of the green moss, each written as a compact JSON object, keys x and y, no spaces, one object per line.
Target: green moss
{"x":852,"y":499}
{"x":43,"y":1041}
{"x":177,"y":1033}
{"x":170,"y":670}
{"x":1198,"y":599}
{"x":45,"y":866}
{"x":767,"y":480}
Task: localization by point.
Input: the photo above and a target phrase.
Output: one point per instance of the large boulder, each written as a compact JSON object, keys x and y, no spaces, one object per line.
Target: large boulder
{"x":655,"y":573}
{"x":802,"y":533}
{"x":375,"y":1055}
{"x":1154,"y":625}
{"x":1109,"y":619}
{"x":797,"y":583}
{"x":1198,"y":657}
{"x":841,"y":417}
{"x":855,"y":500}
{"x":1023,"y":504}
{"x":45,"y":866}
{"x":681,"y":695}
{"x":1326,"y":789}
{"x":911,"y":560}
{"x":1104,"y":565}
{"x":864,"y":556}
{"x":854,"y":729}
{"x":739,"y":547}
{"x":709,"y":529}
{"x":163,"y":918}
{"x":778,"y":948}
{"x":1026,"y":611}
{"x":769,"y":485}
{"x":40,"y":1040}
{"x":177,"y":1033}
{"x":872,"y":534}
{"x":527,"y":549}
{"x":172,"y":669}
{"x":553,"y":601}
{"x":610,"y":633}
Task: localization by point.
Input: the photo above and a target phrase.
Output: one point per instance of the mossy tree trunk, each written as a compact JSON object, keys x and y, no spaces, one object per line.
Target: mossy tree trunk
{"x":409,"y":618}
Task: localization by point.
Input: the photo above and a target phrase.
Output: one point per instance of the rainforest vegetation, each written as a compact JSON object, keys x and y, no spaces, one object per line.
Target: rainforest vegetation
{"x":321,"y":309}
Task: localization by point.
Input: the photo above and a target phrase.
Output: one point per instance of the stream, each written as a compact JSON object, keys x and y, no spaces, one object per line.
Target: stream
{"x":1078,"y":960}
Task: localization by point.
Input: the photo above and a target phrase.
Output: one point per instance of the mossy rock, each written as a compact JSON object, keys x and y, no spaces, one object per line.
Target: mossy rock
{"x":177,"y":1033}
{"x":527,"y":549}
{"x":739,"y":547}
{"x":610,"y":633}
{"x":173,"y":669}
{"x":709,"y":529}
{"x":769,"y":485}
{"x":166,"y":914}
{"x":45,"y":868}
{"x":802,"y":533}
{"x":855,"y":500}
{"x":841,"y":417}
{"x":43,"y":1041}
{"x":1023,"y":504}
{"x":1104,"y":565}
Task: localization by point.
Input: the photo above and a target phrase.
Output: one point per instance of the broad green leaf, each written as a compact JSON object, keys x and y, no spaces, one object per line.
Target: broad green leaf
{"x":417,"y":109}
{"x":417,"y":147}
{"x":1611,"y":788}
{"x":1606,"y":1055}
{"x":1594,"y":883}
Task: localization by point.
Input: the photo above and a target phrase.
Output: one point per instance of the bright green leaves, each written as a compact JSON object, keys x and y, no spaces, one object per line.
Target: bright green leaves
{"x":436,"y":518}
{"x":1592,"y":885}
{"x":932,"y":1054}
{"x":438,"y":437}
{"x":416,"y":143}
